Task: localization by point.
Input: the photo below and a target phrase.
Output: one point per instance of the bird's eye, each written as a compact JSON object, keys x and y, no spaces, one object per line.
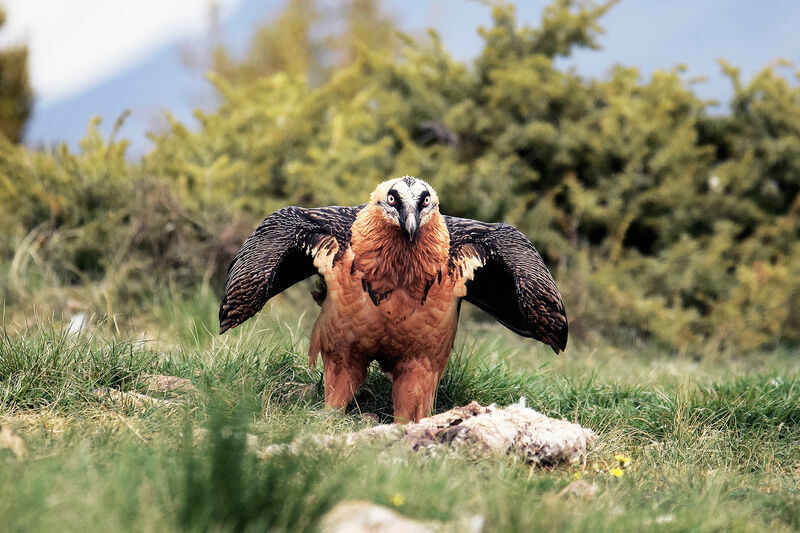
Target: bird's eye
{"x":391,"y":200}
{"x":427,"y":201}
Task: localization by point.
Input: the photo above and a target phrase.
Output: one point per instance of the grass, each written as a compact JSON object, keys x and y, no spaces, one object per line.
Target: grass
{"x":712,"y":440}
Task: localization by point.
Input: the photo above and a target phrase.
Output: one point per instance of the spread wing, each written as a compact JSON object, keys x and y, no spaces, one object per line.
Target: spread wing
{"x":509,"y":279}
{"x":278,"y":254}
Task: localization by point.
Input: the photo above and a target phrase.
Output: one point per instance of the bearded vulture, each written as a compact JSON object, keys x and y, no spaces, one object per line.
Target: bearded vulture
{"x":395,"y":271}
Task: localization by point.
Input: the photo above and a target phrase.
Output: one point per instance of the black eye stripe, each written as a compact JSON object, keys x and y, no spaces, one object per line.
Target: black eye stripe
{"x":393,"y":199}
{"x":424,"y":196}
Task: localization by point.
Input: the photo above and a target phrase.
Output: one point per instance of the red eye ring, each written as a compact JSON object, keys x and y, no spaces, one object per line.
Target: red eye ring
{"x":427,"y":201}
{"x":391,"y":199}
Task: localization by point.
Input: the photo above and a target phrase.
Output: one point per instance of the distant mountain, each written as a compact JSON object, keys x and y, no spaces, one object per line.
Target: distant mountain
{"x":161,"y":81}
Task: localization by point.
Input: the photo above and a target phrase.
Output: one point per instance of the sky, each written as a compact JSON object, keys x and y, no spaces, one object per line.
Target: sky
{"x":76,"y":44}
{"x":101,"y":57}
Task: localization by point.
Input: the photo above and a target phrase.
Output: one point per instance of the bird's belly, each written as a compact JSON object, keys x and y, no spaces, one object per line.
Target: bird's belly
{"x":403,"y":323}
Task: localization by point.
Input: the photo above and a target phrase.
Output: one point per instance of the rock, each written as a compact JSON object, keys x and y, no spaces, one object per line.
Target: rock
{"x":371,"y":418}
{"x":77,"y":323}
{"x":132,"y":399}
{"x":162,"y":383}
{"x":158,"y":384}
{"x":11,"y":441}
{"x":366,"y":517}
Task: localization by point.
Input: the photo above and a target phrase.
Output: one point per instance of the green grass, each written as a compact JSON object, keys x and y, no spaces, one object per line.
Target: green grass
{"x":712,"y":439}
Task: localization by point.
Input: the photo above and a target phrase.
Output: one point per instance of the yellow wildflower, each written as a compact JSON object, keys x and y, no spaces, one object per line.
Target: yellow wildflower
{"x":576,"y":475}
{"x":398,"y":500}
{"x":623,"y":460}
{"x":616,"y":471}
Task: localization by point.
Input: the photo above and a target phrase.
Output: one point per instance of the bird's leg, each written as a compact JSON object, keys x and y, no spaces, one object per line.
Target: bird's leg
{"x":343,"y":376}
{"x":413,"y":389}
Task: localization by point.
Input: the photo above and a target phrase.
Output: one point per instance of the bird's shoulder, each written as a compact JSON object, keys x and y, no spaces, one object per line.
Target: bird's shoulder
{"x":334,"y":219}
{"x":471,"y":239}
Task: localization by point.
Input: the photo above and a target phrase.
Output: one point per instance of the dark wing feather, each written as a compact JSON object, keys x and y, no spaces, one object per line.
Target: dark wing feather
{"x":511,"y":282}
{"x":280,"y":253}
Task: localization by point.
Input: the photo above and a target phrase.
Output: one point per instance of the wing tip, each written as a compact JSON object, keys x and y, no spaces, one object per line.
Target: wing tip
{"x":558,"y":346}
{"x":226,"y":322}
{"x":558,"y":340}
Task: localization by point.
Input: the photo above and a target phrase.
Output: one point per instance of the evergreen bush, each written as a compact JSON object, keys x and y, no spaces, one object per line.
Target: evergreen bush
{"x":659,"y":218}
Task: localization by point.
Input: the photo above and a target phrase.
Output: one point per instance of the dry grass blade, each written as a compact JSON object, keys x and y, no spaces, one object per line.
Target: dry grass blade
{"x":131,"y":399}
{"x":162,"y":383}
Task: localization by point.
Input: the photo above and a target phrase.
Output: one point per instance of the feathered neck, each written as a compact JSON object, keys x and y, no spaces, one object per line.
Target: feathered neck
{"x":388,"y":259}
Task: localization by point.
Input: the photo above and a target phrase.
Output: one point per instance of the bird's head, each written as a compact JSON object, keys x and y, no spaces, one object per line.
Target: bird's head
{"x":406,"y":202}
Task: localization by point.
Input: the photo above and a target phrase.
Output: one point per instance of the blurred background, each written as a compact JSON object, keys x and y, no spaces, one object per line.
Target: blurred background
{"x":649,"y":150}
{"x":95,"y":58}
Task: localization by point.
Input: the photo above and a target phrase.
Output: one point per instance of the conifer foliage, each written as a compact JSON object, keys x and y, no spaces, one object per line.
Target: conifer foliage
{"x":16,"y":97}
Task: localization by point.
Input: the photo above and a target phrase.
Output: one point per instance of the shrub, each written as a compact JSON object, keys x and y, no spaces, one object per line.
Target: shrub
{"x":659,"y":219}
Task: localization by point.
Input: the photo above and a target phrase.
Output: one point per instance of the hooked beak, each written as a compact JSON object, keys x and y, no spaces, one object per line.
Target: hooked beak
{"x":410,"y":218}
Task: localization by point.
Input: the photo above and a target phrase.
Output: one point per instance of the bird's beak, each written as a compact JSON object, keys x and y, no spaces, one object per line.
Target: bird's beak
{"x":409,"y":215}
{"x":412,"y":224}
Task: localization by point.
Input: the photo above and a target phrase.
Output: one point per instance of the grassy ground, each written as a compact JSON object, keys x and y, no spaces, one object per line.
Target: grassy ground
{"x":712,"y":440}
